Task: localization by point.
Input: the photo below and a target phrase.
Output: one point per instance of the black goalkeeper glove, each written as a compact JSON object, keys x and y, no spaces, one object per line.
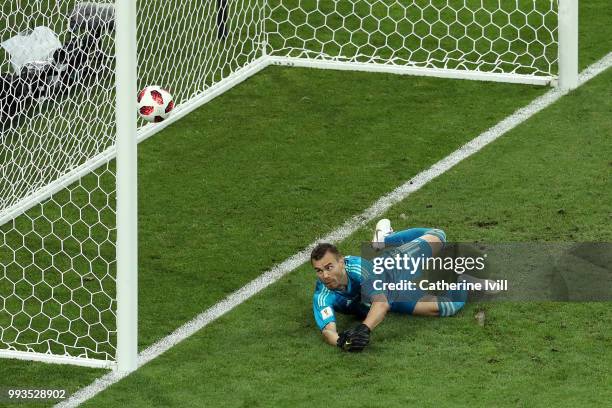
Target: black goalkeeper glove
{"x":355,"y":339}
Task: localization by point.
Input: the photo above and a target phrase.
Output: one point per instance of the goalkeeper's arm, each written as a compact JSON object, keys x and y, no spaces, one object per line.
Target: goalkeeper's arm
{"x":377,"y":312}
{"x":330,"y":334}
{"x":357,"y":338}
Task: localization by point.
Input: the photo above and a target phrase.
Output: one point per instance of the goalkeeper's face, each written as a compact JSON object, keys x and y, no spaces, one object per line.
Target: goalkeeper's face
{"x":330,"y":270}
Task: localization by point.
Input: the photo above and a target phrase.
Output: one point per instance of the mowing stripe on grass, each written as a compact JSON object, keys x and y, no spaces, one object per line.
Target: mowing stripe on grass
{"x":344,"y":231}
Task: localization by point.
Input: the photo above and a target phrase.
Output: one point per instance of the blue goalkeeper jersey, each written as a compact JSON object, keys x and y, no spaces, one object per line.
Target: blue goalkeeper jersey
{"x":359,"y":290}
{"x":326,"y":302}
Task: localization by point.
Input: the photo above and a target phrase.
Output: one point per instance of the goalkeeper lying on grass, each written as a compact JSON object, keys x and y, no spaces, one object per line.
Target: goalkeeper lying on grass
{"x":342,"y":280}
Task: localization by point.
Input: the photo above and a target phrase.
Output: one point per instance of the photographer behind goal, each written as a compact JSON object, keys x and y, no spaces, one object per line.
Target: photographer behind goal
{"x":43,"y":67}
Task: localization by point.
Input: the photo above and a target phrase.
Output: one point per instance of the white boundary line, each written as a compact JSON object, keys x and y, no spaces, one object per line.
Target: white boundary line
{"x":349,"y":227}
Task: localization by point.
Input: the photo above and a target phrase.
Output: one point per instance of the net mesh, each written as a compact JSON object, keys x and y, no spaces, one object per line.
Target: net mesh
{"x":189,"y":46}
{"x":57,"y":291}
{"x":501,"y":36}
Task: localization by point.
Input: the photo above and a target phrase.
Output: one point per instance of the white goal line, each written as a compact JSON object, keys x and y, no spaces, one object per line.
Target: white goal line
{"x":349,"y":227}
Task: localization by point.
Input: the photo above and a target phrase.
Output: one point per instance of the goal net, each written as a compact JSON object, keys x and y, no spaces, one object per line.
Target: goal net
{"x":486,"y":37}
{"x":58,"y":143}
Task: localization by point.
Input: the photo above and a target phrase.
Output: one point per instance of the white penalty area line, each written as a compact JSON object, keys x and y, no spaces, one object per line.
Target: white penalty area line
{"x":349,"y":227}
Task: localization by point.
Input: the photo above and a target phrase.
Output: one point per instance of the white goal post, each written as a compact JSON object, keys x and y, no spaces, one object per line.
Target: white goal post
{"x":69,"y":74}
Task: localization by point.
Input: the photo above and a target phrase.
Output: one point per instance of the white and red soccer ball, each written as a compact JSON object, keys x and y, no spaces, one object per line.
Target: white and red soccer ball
{"x":154,"y":104}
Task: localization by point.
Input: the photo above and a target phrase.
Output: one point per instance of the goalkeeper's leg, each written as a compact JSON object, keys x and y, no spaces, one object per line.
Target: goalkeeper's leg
{"x":451,"y":302}
{"x":405,"y":236}
{"x":385,"y":237}
{"x":418,"y":303}
{"x":448,"y":304}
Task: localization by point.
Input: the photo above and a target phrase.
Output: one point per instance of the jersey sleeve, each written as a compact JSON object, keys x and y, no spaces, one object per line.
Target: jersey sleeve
{"x":322,"y":306}
{"x":361,"y":270}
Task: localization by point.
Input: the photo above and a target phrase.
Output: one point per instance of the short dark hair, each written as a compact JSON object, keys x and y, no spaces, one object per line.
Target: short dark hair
{"x":321,"y":249}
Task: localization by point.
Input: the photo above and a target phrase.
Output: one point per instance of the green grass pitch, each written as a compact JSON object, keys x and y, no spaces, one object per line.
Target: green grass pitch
{"x":292,"y":153}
